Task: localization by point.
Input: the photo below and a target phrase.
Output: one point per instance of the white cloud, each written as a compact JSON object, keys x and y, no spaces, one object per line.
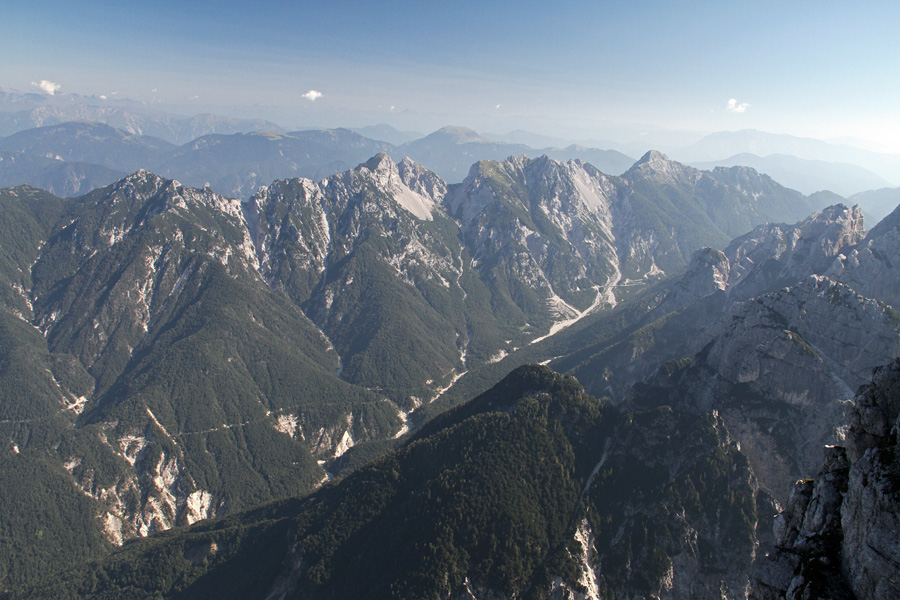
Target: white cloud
{"x":153,"y":91}
{"x":497,"y":107}
{"x":312,"y":95}
{"x":102,"y":97}
{"x":193,"y":97}
{"x":46,"y":86}
{"x":733,"y":106}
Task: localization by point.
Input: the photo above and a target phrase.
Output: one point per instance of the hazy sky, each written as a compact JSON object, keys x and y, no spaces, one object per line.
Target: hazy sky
{"x":818,"y":69}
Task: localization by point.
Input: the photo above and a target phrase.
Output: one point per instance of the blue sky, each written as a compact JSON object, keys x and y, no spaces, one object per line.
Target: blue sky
{"x":818,"y":69}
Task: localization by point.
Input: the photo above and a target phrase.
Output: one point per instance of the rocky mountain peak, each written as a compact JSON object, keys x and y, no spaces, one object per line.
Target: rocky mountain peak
{"x":269,"y":134}
{"x":412,"y":186}
{"x":739,"y":171}
{"x":653,"y":160}
{"x":851,"y":219}
{"x":408,"y":164}
{"x":475,"y":193}
{"x":142,"y":183}
{"x":838,"y":227}
{"x":652,"y":157}
{"x":420,"y":180}
{"x":141,"y":176}
{"x":750,"y":180}
{"x":380,"y":163}
{"x":543,"y":161}
{"x":143,"y":186}
{"x":658,"y":166}
{"x":824,"y":234}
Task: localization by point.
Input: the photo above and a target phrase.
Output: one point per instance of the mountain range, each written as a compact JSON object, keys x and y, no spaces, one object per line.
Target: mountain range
{"x":19,"y":112}
{"x":237,"y":164}
{"x":800,"y":160}
{"x":806,"y":176}
{"x":73,"y":158}
{"x":720,"y":145}
{"x":172,"y":355}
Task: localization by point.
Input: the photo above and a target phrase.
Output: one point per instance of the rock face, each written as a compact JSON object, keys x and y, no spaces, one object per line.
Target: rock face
{"x":806,"y":563}
{"x":707,"y":273}
{"x":799,"y":351}
{"x":870,"y":513}
{"x":779,"y":369}
{"x":837,"y":537}
{"x":818,"y":318}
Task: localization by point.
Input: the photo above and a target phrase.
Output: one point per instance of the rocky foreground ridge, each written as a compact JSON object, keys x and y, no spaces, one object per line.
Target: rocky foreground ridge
{"x":838,"y":535}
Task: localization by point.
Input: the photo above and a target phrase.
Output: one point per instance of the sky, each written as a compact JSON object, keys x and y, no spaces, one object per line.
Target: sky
{"x":829,"y":70}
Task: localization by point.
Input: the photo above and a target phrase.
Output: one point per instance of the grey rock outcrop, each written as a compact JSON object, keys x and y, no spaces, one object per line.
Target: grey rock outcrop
{"x":808,"y":534}
{"x":870,"y":513}
{"x":837,"y":537}
{"x":832,"y":242}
